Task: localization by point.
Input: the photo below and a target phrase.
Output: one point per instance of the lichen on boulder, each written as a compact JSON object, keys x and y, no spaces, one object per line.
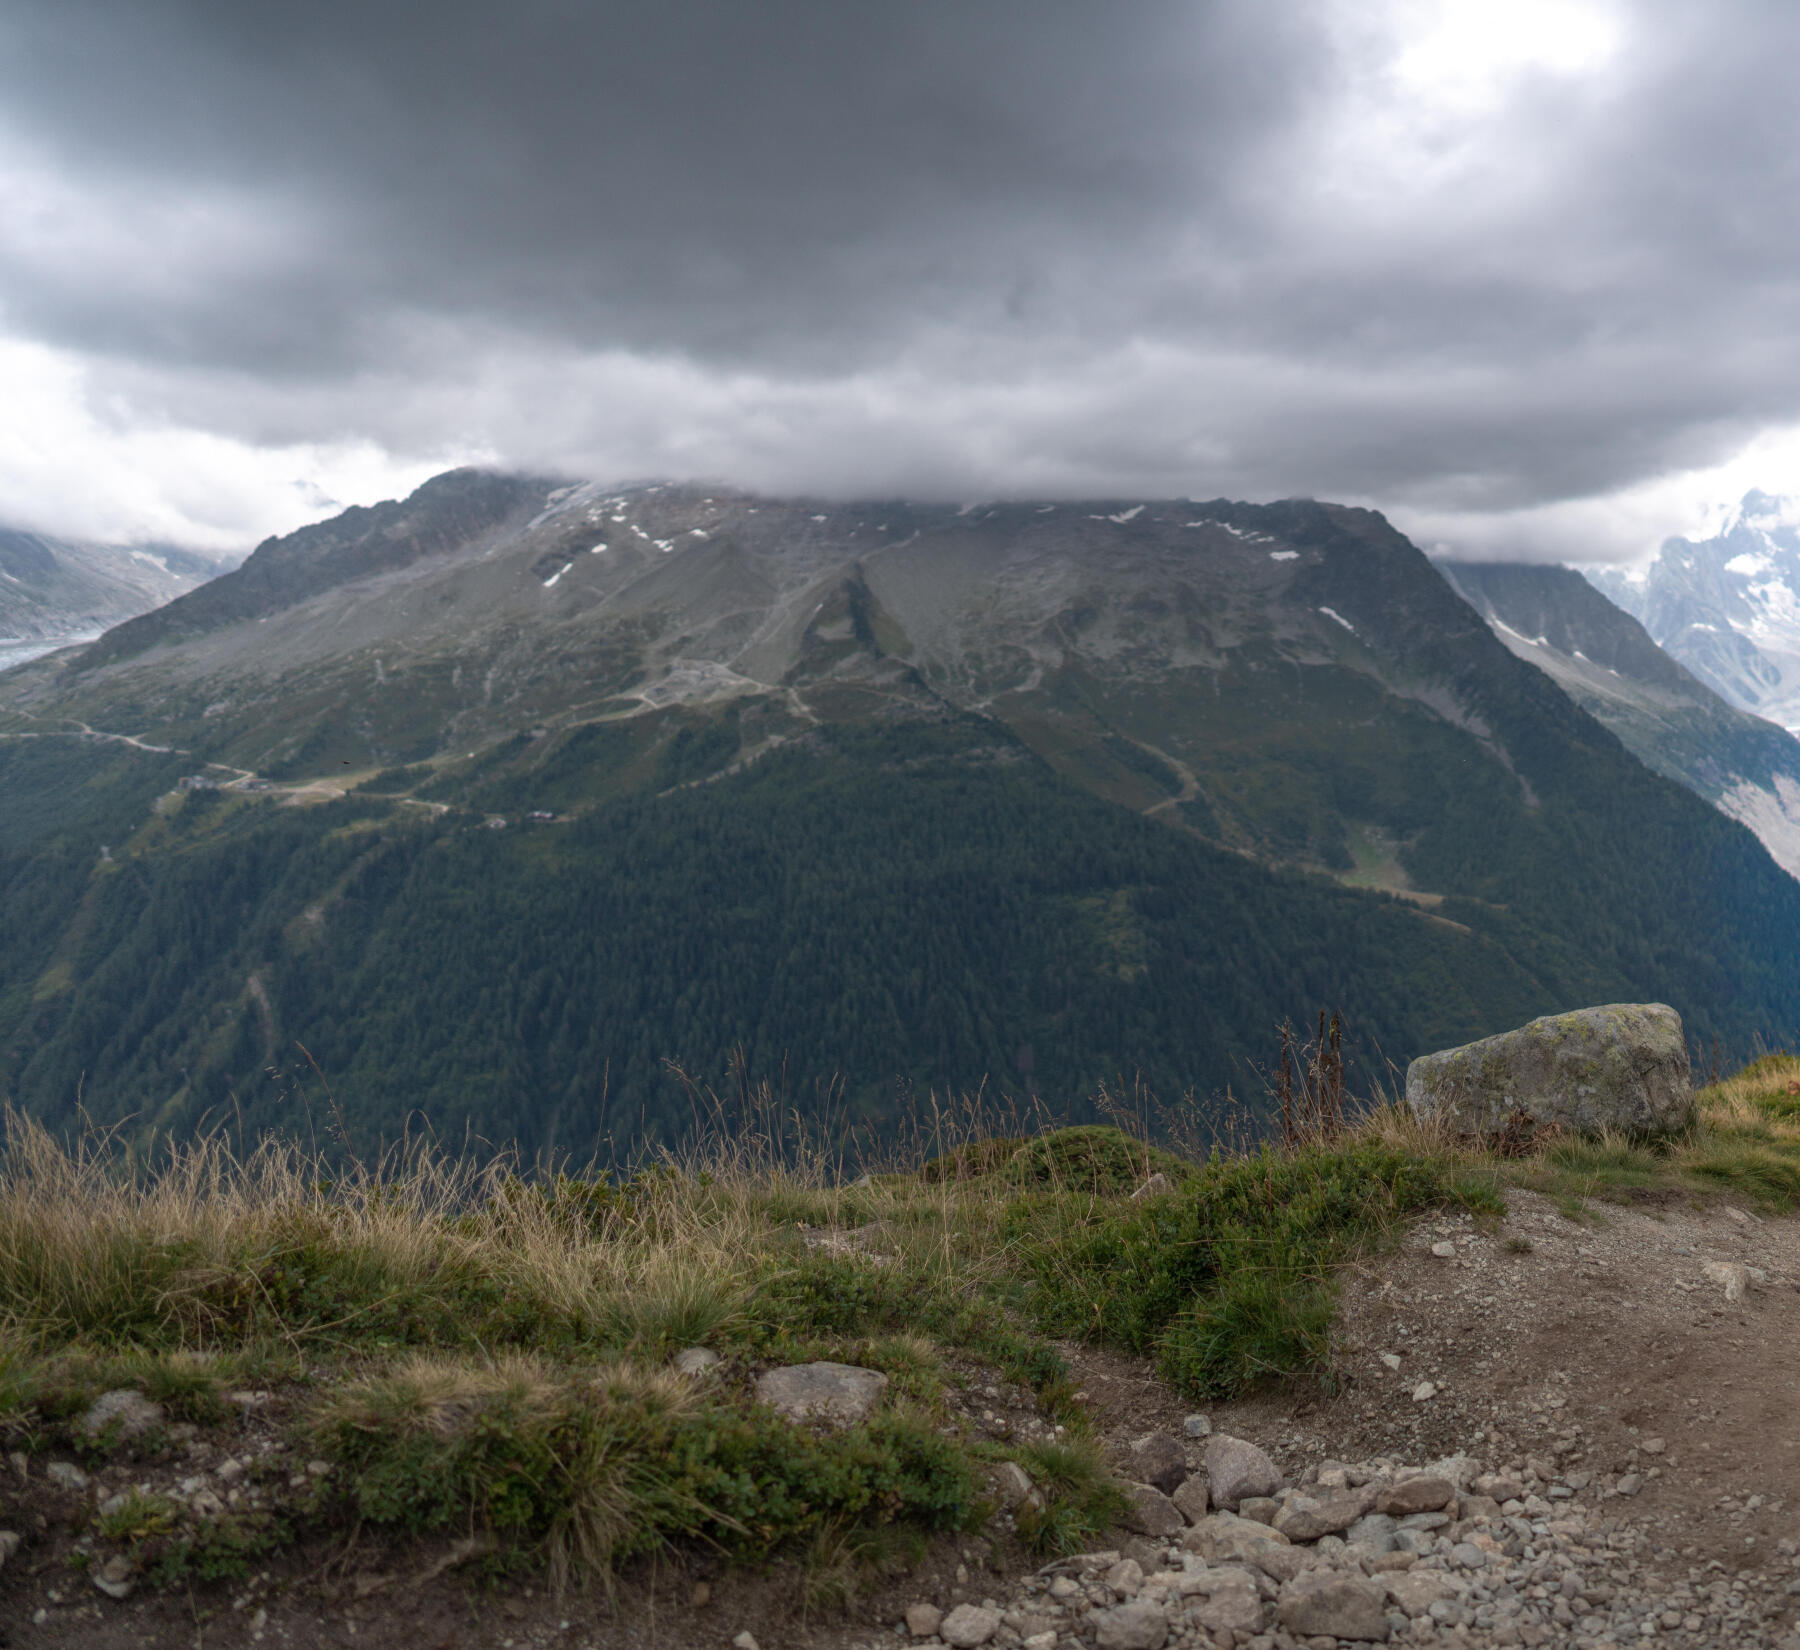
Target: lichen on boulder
{"x":1622,"y":1066}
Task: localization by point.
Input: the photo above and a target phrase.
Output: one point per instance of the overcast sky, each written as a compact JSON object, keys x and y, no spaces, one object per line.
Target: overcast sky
{"x":1525,"y":275}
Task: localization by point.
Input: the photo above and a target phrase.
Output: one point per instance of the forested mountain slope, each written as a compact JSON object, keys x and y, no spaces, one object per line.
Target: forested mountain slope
{"x":887,"y":797}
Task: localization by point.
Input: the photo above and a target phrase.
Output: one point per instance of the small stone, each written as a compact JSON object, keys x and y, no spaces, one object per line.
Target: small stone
{"x":1421,"y":1493}
{"x":1261,"y":1509}
{"x":1630,"y":1484}
{"x":1150,"y":1512}
{"x":836,"y":1393}
{"x":1126,"y":1578}
{"x":1191,"y":1499}
{"x":745,"y":1640}
{"x":1197,"y":1426}
{"x":1045,"y":1640}
{"x":318,"y":1469}
{"x":696,"y":1360}
{"x":9,"y":1544}
{"x":1160,"y":1461}
{"x":1424,"y":1392}
{"x":1654,"y":1446}
{"x":1730,"y":1275}
{"x":701,"y":1595}
{"x":65,"y":1475}
{"x":1282,"y":1563}
{"x":1225,"y":1538}
{"x":204,"y":1504}
{"x":1236,"y":1469}
{"x":1140,"y":1625}
{"x":1014,"y":1484}
{"x":124,"y":1414}
{"x":1155,"y":1186}
{"x":1444,"y":1251}
{"x":923,"y":1619}
{"x":1416,"y":1591}
{"x":1234,"y":1602}
{"x":230,"y":1470}
{"x":1304,"y":1519}
{"x":969,"y":1625}
{"x":1330,"y":1602}
{"x":1465,"y":1555}
{"x":1392,"y":1360}
{"x":1373,"y":1531}
{"x":114,"y":1577}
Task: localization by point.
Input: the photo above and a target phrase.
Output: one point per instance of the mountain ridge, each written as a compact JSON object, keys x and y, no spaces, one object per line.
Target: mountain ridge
{"x":538,"y":785}
{"x":1668,"y":718}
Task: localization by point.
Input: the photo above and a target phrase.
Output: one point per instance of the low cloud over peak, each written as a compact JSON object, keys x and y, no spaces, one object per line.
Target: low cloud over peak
{"x":1521,"y":280}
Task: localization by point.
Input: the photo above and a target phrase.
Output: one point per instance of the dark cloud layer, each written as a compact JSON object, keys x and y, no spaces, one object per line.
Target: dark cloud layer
{"x":946,"y":244}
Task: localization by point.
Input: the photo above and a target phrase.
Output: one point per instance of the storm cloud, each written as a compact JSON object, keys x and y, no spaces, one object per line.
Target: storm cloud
{"x":1522,"y":276}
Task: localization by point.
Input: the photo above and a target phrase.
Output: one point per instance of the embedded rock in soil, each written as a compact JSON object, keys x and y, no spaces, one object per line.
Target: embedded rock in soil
{"x":1623,"y":1066}
{"x":696,"y":1360}
{"x":923,"y":1620}
{"x":1139,"y":1626}
{"x":1150,"y":1512}
{"x":1332,"y":1603}
{"x":1015,"y":1486}
{"x":969,"y":1625}
{"x":125,"y":1413}
{"x":1236,"y":1469}
{"x":65,"y":1475}
{"x":839,"y":1393}
{"x":1155,"y":1186}
{"x":1158,"y":1460}
{"x":114,"y":1577}
{"x":1730,"y":1275}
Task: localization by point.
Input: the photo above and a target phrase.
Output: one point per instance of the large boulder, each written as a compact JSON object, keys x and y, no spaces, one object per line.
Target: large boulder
{"x":1623,"y":1066}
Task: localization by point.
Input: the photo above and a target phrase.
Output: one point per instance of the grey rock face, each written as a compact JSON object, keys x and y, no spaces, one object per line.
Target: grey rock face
{"x":839,"y":1393}
{"x":1622,"y":1066}
{"x":1237,"y":1469}
{"x":1327,"y":1602}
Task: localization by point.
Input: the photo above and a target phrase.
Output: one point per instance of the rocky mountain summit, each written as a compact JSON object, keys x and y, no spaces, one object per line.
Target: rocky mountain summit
{"x":1728,"y":607}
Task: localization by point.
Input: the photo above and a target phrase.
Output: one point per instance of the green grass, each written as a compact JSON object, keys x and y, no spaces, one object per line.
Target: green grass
{"x":485,"y":1358}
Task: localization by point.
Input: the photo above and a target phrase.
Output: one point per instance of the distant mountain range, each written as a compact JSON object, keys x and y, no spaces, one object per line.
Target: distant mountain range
{"x":1728,"y":607}
{"x":497,"y":800}
{"x":52,"y":589}
{"x":1664,"y":715}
